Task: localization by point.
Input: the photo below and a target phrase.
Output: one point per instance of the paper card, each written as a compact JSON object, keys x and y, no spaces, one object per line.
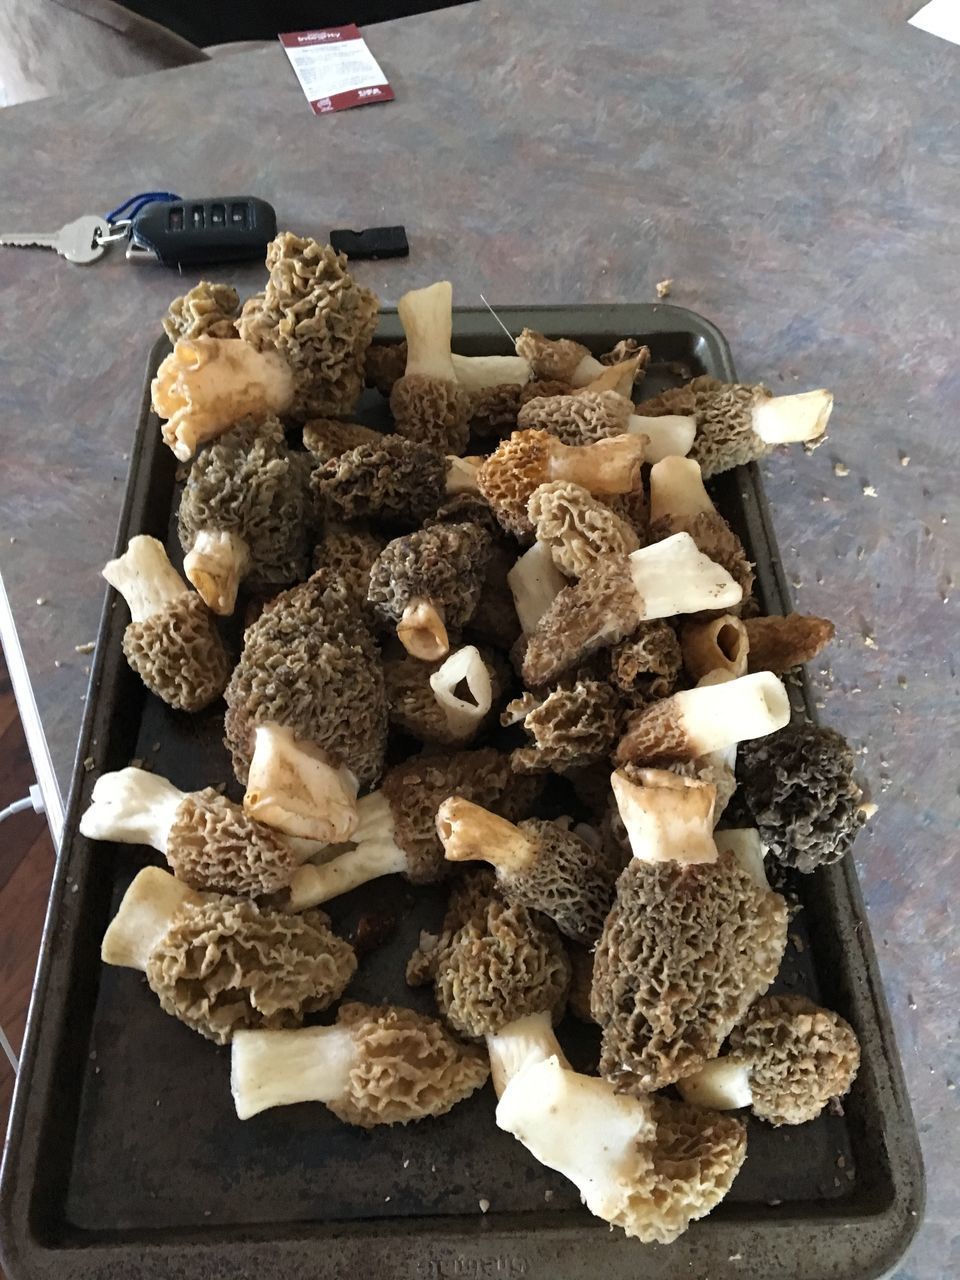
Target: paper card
{"x":335,"y":68}
{"x":940,"y":18}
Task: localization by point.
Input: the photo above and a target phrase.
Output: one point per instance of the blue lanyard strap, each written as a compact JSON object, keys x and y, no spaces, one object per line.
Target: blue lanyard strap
{"x":130,"y":208}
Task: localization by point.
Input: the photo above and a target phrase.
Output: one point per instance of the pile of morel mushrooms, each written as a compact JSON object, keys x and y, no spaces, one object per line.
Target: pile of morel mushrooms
{"x":528,"y":578}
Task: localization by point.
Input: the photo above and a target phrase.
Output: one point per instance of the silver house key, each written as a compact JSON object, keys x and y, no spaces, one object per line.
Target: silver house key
{"x":83,"y":240}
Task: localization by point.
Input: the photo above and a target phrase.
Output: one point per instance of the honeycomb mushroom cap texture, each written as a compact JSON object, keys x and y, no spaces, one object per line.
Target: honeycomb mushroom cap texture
{"x":384,"y":364}
{"x":581,"y":419}
{"x":537,"y":388}
{"x":432,"y":411}
{"x":247,"y":482}
{"x":715,"y":539}
{"x":214,"y":844}
{"x":494,"y":410}
{"x":348,"y":554}
{"x":800,"y":787}
{"x":444,"y":564}
{"x":178,"y":654}
{"x":327,"y":438}
{"x":570,"y":881}
{"x":572,"y":727}
{"x":554,"y":359}
{"x":468,"y":508}
{"x":510,"y":475}
{"x":684,"y":952}
{"x":799,"y":1057}
{"x":318,"y":318}
{"x":412,"y":705}
{"x":392,"y":479}
{"x":310,"y":664}
{"x":648,"y":666}
{"x":205,"y":311}
{"x":724,"y":412}
{"x":228,"y":964}
{"x":407,"y":1067}
{"x":577,"y":527}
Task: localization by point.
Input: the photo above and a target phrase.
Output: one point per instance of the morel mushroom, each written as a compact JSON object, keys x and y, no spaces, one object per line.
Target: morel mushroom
{"x":446,"y":702}
{"x":384,"y":364}
{"x":577,"y":527}
{"x":529,"y":459}
{"x":779,"y":644}
{"x":428,"y":404}
{"x":348,"y":553}
{"x":393,"y":480}
{"x":691,"y":941}
{"x":209,"y":842}
{"x":244,"y":514}
{"x":376,"y":1065}
{"x":597,"y":415}
{"x":328,"y":438}
{"x":648,"y":665}
{"x":170,"y":641}
{"x":571,"y":727}
{"x":618,"y":593}
{"x":221,"y":964}
{"x":316,"y":317}
{"x":206,"y":385}
{"x":539,"y":865}
{"x":787,"y":1059}
{"x":558,"y":358}
{"x":799,"y":787}
{"x":737,"y":423}
{"x":430,"y":581}
{"x":718,"y":645}
{"x":205,"y":311}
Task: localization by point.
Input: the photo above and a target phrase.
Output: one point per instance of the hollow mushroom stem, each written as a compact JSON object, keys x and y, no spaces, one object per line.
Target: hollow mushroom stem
{"x":677,"y":493}
{"x":145,"y":578}
{"x":375,"y":854}
{"x":519,"y":1044}
{"x":427,"y":319}
{"x":462,"y":474}
{"x":478,"y":373}
{"x":789,"y":419}
{"x":132,"y":806}
{"x":721,"y":1085}
{"x":216,"y":564}
{"x":144,"y":916}
{"x":464,"y":715}
{"x":422,"y":631}
{"x":673,"y":576}
{"x":669,"y":436}
{"x":280,"y":1068}
{"x":606,"y":466}
{"x":295,"y":788}
{"x":535,"y":582}
{"x":746,"y":846}
{"x":469,"y":832}
{"x":718,"y":645}
{"x":667,"y":818}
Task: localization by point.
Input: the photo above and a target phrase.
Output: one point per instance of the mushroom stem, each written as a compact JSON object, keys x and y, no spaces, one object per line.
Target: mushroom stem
{"x":215,"y":565}
{"x":422,"y":631}
{"x":606,"y":466}
{"x":464,"y":716}
{"x":718,"y":645}
{"x":720,"y":1085}
{"x":293,"y":787}
{"x":132,"y":806}
{"x":535,"y":582}
{"x":676,"y":491}
{"x":462,"y":474}
{"x":673,"y":576}
{"x":587,"y":371}
{"x":144,"y":916}
{"x":280,"y":1068}
{"x":745,"y":845}
{"x":787,"y":419}
{"x":669,"y":436}
{"x":614,"y":377}
{"x":520,"y":1043}
{"x":469,"y":832}
{"x":668,"y":818}
{"x":427,"y":319}
{"x":145,"y":578}
{"x":477,"y":373}
{"x":375,"y":854}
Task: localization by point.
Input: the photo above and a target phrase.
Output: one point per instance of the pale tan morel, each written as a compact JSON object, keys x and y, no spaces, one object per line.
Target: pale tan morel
{"x":570,"y":728}
{"x":207,"y":310}
{"x":780,"y":644}
{"x":577,"y":527}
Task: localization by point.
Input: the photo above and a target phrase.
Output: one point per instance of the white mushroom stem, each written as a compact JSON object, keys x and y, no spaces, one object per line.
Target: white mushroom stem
{"x":280,"y":1068}
{"x":607,"y":466}
{"x":144,"y":916}
{"x":427,"y":319}
{"x":614,"y":377}
{"x":216,"y":564}
{"x":721,"y":644}
{"x":714,"y":717}
{"x":462,"y":474}
{"x":674,"y":576}
{"x":671,"y":435}
{"x":477,"y":373}
{"x":787,"y":419}
{"x":469,"y":833}
{"x":587,"y":371}
{"x":725,"y":759}
{"x":668,"y":818}
{"x":207,"y":384}
{"x":145,"y":578}
{"x":463,"y":715}
{"x":293,"y":787}
{"x":375,"y":854}
{"x":720,"y":1085}
{"x":519,"y":1044}
{"x":676,"y":490}
{"x":746,"y":846}
{"x":422,"y":631}
{"x":132,"y":806}
{"x":535,"y":582}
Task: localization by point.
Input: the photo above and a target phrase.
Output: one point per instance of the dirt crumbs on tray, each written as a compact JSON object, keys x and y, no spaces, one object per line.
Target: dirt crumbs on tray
{"x":522,"y":592}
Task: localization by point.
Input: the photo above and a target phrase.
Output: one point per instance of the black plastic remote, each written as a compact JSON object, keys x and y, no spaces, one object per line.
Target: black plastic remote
{"x":194,"y":232}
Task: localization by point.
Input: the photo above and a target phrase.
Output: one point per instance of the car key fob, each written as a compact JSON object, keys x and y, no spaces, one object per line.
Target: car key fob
{"x":187,"y":233}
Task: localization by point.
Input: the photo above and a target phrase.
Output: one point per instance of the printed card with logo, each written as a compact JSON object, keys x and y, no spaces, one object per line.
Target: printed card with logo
{"x":335,"y":68}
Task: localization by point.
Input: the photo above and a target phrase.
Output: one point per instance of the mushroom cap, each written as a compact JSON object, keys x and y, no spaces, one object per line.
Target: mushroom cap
{"x":318,"y":318}
{"x":348,"y":554}
{"x":583,"y":418}
{"x":392,"y":479}
{"x":684,"y":952}
{"x":536,"y":388}
{"x":494,"y":410}
{"x":799,"y":1057}
{"x":724,"y":412}
{"x":432,"y":411}
{"x":634,"y":509}
{"x":648,"y":666}
{"x":798,"y":783}
{"x":511,"y":473}
{"x":715,"y":539}
{"x":327,"y":438}
{"x":571,"y":728}
{"x":412,"y":704}
{"x":464,"y":508}
{"x":205,"y":311}
{"x":214,"y":844}
{"x":384,"y":364}
{"x":178,"y":654}
{"x":407,"y":1067}
{"x":627,"y":349}
{"x":779,"y":644}
{"x":227,"y":963}
{"x":577,"y":527}
{"x":444,"y":564}
{"x":554,"y":358}
{"x":309,"y":663}
{"x":247,"y":482}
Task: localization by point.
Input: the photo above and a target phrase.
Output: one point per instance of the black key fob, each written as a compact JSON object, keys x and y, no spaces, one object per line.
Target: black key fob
{"x":189,"y":233}
{"x":374,"y":242}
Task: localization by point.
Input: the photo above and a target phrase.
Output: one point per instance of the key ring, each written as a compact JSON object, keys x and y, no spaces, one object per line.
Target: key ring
{"x":128,"y":211}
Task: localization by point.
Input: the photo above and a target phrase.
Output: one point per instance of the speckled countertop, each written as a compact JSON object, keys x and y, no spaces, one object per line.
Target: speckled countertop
{"x":792,"y":168}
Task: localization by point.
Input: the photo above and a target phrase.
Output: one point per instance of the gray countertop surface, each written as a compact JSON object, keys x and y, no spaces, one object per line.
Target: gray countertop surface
{"x":793,"y":168}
